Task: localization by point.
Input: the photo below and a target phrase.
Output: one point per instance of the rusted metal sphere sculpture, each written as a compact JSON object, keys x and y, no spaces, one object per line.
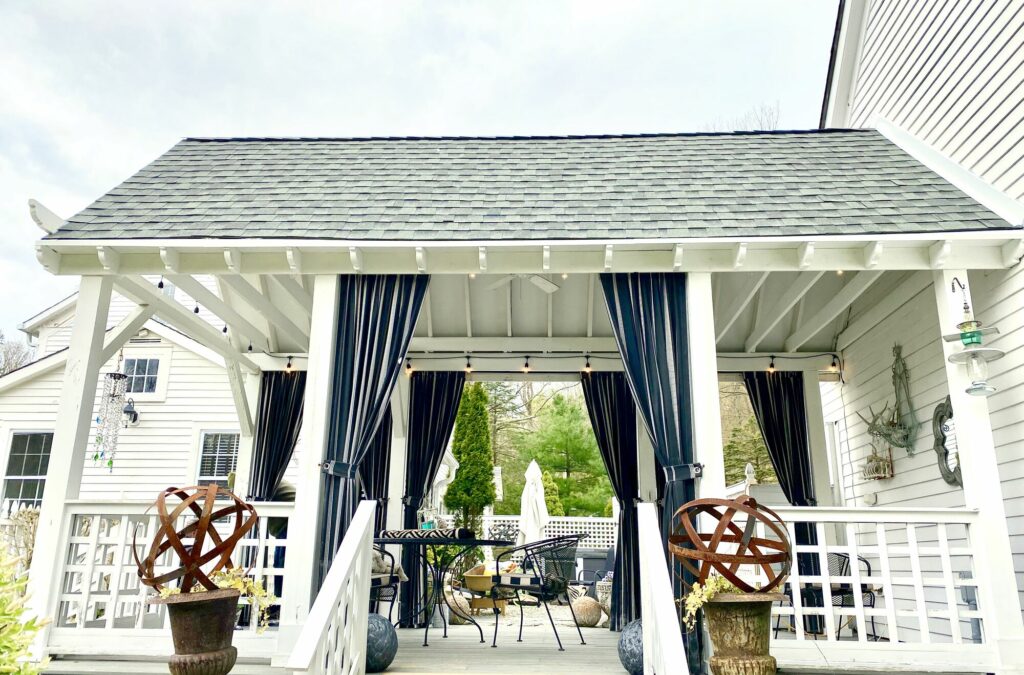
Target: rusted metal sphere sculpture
{"x":200,"y":548}
{"x":732,"y":544}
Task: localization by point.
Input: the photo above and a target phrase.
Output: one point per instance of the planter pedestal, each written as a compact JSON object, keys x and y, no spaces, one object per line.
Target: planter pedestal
{"x":202,"y":626}
{"x":740,"y":627}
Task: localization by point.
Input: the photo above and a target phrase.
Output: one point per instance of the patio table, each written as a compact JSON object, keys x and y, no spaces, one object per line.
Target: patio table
{"x":439,"y":570}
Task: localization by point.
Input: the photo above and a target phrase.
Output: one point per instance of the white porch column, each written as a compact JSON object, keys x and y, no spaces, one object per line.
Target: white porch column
{"x":300,"y":563}
{"x":70,"y":441}
{"x":816,"y":444}
{"x":982,"y":491}
{"x":243,"y":469}
{"x":646,"y":467}
{"x":399,"y":446}
{"x":707,"y":411}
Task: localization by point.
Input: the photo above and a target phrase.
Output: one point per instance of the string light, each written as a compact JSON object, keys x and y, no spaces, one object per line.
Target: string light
{"x":196,"y":310}
{"x":839,"y":273}
{"x":408,"y":367}
{"x":472,"y":275}
{"x":565,"y":275}
{"x":526,"y":365}
{"x":225,"y":329}
{"x":834,"y":367}
{"x":160,"y":284}
{"x":288,"y":366}
{"x":771,"y":365}
{"x":250,"y":346}
{"x":586,"y":366}
{"x":469,"y":366}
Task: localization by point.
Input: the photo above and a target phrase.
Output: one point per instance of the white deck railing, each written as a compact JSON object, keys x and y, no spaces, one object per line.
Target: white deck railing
{"x":333,"y":638}
{"x":101,"y":601}
{"x":663,"y":640}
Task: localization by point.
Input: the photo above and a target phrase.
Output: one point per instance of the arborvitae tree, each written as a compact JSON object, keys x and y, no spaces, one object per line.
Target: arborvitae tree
{"x":551,"y":498}
{"x":747,"y":445}
{"x":473,"y":486}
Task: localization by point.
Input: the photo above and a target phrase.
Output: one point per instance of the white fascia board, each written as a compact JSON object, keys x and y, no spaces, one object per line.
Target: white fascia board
{"x":846,"y":66}
{"x":32,"y":325}
{"x":999,"y":203}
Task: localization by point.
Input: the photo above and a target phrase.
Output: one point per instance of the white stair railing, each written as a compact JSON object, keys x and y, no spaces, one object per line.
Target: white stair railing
{"x":663,"y":640}
{"x":333,"y":638}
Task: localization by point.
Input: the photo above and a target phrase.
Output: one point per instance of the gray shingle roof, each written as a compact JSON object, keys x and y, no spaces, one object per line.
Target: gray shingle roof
{"x":693,"y":185}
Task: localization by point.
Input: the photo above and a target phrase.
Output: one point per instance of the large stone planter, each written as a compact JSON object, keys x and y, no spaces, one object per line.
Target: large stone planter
{"x":202,"y":625}
{"x":740,"y":627}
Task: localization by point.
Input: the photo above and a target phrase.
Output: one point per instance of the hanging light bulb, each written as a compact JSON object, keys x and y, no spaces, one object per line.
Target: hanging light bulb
{"x":225,"y":329}
{"x":565,"y":275}
{"x":160,"y":284}
{"x":250,"y":346}
{"x":834,"y":367}
{"x":408,"y":367}
{"x":472,"y":275}
{"x":771,"y":365}
{"x":288,"y":366}
{"x":196,"y":310}
{"x":586,"y":366}
{"x":526,"y":365}
{"x":469,"y":366}
{"x":839,"y":273}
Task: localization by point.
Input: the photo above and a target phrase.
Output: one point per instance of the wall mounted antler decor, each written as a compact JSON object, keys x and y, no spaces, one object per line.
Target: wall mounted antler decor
{"x":899,"y":427}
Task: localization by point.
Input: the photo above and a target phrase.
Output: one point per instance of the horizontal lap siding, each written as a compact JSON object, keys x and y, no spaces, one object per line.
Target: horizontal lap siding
{"x":999,"y":299}
{"x":951,"y":73}
{"x":161,"y":451}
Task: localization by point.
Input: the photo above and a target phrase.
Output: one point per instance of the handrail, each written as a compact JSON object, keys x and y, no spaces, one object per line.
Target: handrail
{"x":663,"y":639}
{"x":880,"y":514}
{"x":333,"y":638}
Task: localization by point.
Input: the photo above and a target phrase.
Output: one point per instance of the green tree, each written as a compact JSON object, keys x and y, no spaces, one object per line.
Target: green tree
{"x":473,"y":486}
{"x":564,"y":444}
{"x":551,"y":498}
{"x":746,"y":445}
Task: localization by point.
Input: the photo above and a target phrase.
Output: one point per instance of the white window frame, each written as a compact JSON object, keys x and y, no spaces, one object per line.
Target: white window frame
{"x":5,"y":453}
{"x":161,"y":354}
{"x":197,"y":456}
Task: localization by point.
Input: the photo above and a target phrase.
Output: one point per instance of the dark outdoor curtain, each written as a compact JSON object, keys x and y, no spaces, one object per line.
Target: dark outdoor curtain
{"x":648,"y":317}
{"x":373,"y":470}
{"x":433,"y":404}
{"x":613,"y":416}
{"x":278,"y":421}
{"x":376,"y":318}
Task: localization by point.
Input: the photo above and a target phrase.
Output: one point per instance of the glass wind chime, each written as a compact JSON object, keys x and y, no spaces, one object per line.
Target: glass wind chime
{"x":108,"y":421}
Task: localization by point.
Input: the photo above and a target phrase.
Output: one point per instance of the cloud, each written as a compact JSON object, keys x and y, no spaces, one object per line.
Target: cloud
{"x":91,"y":92}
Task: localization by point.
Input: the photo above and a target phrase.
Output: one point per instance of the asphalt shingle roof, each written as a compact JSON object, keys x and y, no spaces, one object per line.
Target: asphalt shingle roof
{"x":598,"y":187}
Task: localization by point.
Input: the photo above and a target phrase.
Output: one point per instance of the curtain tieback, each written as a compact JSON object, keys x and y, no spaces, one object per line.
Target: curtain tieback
{"x":681,"y":472}
{"x":341,"y":469}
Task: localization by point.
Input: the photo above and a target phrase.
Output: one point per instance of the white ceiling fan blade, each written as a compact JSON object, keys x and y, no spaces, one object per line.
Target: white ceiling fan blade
{"x":493,"y":286}
{"x":543,"y":284}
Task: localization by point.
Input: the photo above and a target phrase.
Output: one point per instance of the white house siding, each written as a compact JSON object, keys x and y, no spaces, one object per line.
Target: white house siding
{"x":868,"y":383}
{"x":162,"y":450}
{"x":952,"y":74}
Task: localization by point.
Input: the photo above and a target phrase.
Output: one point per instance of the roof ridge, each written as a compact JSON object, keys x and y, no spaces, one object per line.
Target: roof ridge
{"x":551,"y":137}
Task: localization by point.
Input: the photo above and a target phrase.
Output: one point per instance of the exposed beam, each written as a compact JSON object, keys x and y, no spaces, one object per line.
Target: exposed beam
{"x":551,"y":314}
{"x":938,"y":254}
{"x":262,"y":304}
{"x":264,"y":290}
{"x":508,"y":307}
{"x":295,"y":290}
{"x":294,"y":258}
{"x":769,"y":319}
{"x":609,"y":254}
{"x":233,"y":260}
{"x":741,"y":301}
{"x":739,"y":255}
{"x":224,"y":311}
{"x":421,"y":260}
{"x":142,"y":292}
{"x":873,"y":254}
{"x":469,"y":307}
{"x":124,"y":331}
{"x":590,"y":305}
{"x":514,"y":345}
{"x":48,"y":258}
{"x":236,"y":379}
{"x":355,"y":256}
{"x":546,"y":259}
{"x":852,"y":290}
{"x":891,"y":302}
{"x":171,"y":260}
{"x":804,"y":255}
{"x":1012,"y":252}
{"x":482,"y":258}
{"x":677,"y":258}
{"x":110,"y":259}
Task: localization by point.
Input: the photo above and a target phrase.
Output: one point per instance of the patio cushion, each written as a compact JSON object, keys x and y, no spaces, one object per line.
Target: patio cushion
{"x":439,"y":533}
{"x":516,"y":580}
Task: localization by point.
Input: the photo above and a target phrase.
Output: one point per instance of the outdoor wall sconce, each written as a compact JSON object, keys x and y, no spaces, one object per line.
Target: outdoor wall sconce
{"x":131,"y":415}
{"x":974,"y":355}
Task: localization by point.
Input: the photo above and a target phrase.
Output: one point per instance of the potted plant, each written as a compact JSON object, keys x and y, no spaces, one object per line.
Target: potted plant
{"x":203,"y":604}
{"x":738,"y":612}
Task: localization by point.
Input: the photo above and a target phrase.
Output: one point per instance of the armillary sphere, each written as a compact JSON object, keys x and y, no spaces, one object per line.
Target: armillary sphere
{"x":200,"y":501}
{"x":699,"y":553}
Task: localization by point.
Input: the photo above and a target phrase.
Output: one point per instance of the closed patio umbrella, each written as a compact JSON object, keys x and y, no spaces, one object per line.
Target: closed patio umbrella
{"x":533,"y":510}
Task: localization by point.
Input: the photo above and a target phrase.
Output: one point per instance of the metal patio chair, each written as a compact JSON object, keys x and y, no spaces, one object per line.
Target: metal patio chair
{"x":549,"y":566}
{"x":384,"y":585}
{"x":842,"y":593}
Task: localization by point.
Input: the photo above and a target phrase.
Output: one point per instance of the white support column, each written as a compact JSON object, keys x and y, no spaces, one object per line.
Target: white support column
{"x":302,"y":528}
{"x":399,"y":446}
{"x":246,"y":441}
{"x":707,"y":412}
{"x":70,"y":441}
{"x":982,"y":491}
{"x":817,"y":446}
{"x":646,"y":467}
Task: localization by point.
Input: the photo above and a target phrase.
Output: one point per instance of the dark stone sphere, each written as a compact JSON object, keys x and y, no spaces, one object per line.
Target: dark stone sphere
{"x":381,"y":644}
{"x":631,"y":647}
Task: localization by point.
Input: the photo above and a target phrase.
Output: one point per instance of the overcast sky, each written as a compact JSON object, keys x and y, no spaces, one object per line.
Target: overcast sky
{"x":92,"y":91}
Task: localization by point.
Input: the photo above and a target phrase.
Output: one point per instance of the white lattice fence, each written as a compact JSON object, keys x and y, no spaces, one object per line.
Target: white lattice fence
{"x":601,"y":532}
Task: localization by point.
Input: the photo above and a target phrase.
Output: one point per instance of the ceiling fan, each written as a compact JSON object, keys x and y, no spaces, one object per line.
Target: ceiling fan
{"x":537,"y":280}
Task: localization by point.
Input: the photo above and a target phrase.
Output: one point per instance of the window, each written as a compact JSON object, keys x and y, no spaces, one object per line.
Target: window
{"x":142,"y":375}
{"x":218,"y":457}
{"x":26,"y":468}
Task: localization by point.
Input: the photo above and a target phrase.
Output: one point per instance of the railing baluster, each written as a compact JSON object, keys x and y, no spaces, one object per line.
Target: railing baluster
{"x":826,"y":583}
{"x":947,"y":577}
{"x":915,"y":571}
{"x":890,"y":597}
{"x":90,"y":565}
{"x":120,"y":548}
{"x":857,"y":589}
{"x":794,"y":585}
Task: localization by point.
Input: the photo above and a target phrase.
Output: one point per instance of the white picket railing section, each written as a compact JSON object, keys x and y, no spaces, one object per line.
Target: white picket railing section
{"x":333,"y":638}
{"x":101,"y":601}
{"x":601,"y":532}
{"x":663,"y":641}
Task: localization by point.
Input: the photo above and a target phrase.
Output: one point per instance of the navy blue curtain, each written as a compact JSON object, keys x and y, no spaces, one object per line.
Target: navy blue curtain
{"x":278,"y":421}
{"x":613,"y":416}
{"x":374,"y":469}
{"x":433,"y":404}
{"x":648,"y":317}
{"x":376,"y":318}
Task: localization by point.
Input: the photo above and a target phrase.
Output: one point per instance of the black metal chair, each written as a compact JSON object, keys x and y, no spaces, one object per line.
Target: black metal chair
{"x":842,"y":593}
{"x":384,"y":585}
{"x":589,"y":578}
{"x":548,"y":568}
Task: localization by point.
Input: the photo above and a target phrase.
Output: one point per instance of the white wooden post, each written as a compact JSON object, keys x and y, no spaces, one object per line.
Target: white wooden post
{"x":707,"y":411}
{"x":816,"y":444}
{"x":399,"y":446}
{"x":243,"y":469}
{"x":300,"y":565}
{"x":982,"y":491}
{"x":646,"y":467}
{"x":70,"y":441}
